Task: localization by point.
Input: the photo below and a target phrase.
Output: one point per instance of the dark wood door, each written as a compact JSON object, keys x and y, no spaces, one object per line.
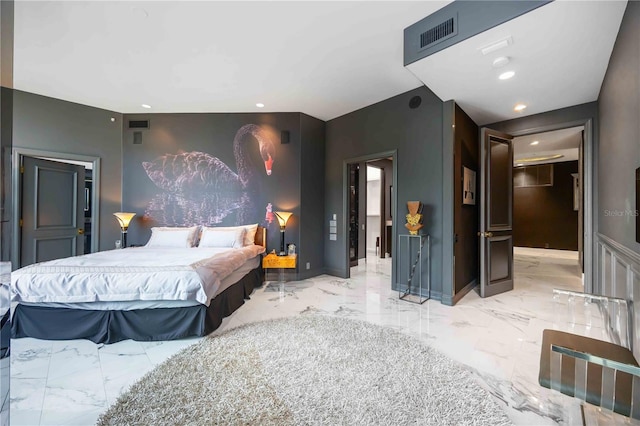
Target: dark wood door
{"x":496,"y":212}
{"x":52,"y":210}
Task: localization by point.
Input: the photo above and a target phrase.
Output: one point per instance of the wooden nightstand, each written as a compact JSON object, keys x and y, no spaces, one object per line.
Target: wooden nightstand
{"x":273,"y":261}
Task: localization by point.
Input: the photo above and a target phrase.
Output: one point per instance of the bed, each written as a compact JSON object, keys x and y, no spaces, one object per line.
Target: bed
{"x":163,"y":291}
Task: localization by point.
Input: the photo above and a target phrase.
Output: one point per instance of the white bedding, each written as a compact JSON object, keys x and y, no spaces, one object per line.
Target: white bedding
{"x":131,"y":305}
{"x":144,"y":273}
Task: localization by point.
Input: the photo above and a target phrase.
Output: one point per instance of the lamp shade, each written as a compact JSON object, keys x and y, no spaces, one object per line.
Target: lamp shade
{"x":124,"y":219}
{"x":283,"y":217}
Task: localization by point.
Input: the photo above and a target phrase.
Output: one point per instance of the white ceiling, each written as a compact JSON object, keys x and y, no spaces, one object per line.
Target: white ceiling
{"x":564,"y":141}
{"x":560,"y":54}
{"x":321,"y":58}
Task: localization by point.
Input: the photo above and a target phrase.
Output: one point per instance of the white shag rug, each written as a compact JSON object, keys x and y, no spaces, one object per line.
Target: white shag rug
{"x":309,"y":370}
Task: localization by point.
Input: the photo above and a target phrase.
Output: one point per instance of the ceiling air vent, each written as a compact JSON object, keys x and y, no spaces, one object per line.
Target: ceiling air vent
{"x":438,"y":33}
{"x":138,"y":124}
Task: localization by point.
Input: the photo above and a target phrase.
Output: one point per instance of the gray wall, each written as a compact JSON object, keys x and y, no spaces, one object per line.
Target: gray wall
{"x":6,"y":126}
{"x":54,"y":125}
{"x":290,"y":187}
{"x":312,"y":196}
{"x":389,"y":125}
{"x":619,"y":153}
{"x":212,"y":134}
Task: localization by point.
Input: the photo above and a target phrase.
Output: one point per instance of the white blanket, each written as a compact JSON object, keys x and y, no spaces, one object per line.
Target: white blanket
{"x":130,"y":274}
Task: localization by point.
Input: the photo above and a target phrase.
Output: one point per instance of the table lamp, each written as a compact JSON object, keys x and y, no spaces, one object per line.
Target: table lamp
{"x":283,"y":217}
{"x":123,"y":220}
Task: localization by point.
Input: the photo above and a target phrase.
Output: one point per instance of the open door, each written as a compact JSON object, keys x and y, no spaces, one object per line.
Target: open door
{"x":496,"y":212}
{"x":52,"y":210}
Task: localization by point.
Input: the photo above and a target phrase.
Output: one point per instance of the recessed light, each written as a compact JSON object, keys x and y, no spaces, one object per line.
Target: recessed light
{"x":146,"y":106}
{"x":260,"y":105}
{"x":534,"y":143}
{"x":113,"y":119}
{"x":519,"y":165}
{"x":519,"y":107}
{"x":506,"y":75}
{"x":500,"y":61}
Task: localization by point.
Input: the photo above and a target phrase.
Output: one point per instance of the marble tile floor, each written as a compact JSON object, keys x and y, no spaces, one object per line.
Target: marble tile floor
{"x":498,"y":338}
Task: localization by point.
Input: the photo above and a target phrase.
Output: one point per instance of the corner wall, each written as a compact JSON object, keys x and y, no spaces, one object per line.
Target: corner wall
{"x":619,"y":153}
{"x":59,"y":126}
{"x":197,"y":169}
{"x":618,"y":157}
{"x":416,"y":135}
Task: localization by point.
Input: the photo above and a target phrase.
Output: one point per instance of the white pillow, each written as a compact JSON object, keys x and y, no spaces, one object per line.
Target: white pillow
{"x":222,"y":238}
{"x":250,"y":232}
{"x":168,"y":237}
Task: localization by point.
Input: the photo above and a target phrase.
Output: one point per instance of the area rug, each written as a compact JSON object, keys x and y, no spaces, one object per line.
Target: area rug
{"x":308,"y":370}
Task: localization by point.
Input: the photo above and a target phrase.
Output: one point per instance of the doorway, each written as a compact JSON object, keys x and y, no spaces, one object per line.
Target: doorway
{"x":369,"y":202}
{"x":88,"y":197}
{"x":548,"y":199}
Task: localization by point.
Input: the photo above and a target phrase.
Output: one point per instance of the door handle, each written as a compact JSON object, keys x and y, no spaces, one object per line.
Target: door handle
{"x":485,"y":234}
{"x":80,"y":231}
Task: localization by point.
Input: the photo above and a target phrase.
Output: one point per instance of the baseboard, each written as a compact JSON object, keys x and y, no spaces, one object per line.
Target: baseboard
{"x":433,"y":294}
{"x":310,"y":273}
{"x":335,"y":272}
{"x":463,"y":292}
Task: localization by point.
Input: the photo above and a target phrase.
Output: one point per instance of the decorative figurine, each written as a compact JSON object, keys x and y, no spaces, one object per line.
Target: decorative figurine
{"x":414,"y":217}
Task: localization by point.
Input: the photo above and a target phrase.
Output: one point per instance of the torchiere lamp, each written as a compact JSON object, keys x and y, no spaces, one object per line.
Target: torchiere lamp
{"x":123,"y":220}
{"x":283,"y":217}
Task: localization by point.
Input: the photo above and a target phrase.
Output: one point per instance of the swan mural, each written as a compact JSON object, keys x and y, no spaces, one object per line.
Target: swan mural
{"x":200,"y":189}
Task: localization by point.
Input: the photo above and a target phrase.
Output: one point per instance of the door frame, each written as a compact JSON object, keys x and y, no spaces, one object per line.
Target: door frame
{"x":588,"y":202}
{"x":16,"y":157}
{"x":344,"y":223}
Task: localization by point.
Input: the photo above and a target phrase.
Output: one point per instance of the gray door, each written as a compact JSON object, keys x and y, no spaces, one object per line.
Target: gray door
{"x":52,"y":210}
{"x":496,"y":211}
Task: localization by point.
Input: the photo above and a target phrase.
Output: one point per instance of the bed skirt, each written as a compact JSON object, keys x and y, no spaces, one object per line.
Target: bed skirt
{"x":142,"y":324}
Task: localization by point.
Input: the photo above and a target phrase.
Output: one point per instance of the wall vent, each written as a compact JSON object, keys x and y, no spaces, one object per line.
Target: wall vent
{"x":438,"y":33}
{"x":138,"y":124}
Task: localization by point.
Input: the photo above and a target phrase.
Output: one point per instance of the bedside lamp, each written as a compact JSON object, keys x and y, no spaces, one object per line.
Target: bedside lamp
{"x":123,"y":220}
{"x":283,"y":217}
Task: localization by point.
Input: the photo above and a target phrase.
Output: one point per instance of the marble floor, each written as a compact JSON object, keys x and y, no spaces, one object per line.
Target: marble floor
{"x":498,"y":338}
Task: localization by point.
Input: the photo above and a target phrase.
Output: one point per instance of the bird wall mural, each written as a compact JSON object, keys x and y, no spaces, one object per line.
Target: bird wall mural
{"x":200,"y":189}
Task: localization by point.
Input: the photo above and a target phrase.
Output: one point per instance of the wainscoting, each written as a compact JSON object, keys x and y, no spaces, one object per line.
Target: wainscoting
{"x":618,"y":275}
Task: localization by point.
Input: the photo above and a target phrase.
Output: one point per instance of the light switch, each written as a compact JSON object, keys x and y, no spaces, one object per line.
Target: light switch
{"x":334,"y":216}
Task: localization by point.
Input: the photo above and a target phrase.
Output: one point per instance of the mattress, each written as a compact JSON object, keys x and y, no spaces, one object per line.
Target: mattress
{"x":130,"y":305}
{"x":133,"y":274}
